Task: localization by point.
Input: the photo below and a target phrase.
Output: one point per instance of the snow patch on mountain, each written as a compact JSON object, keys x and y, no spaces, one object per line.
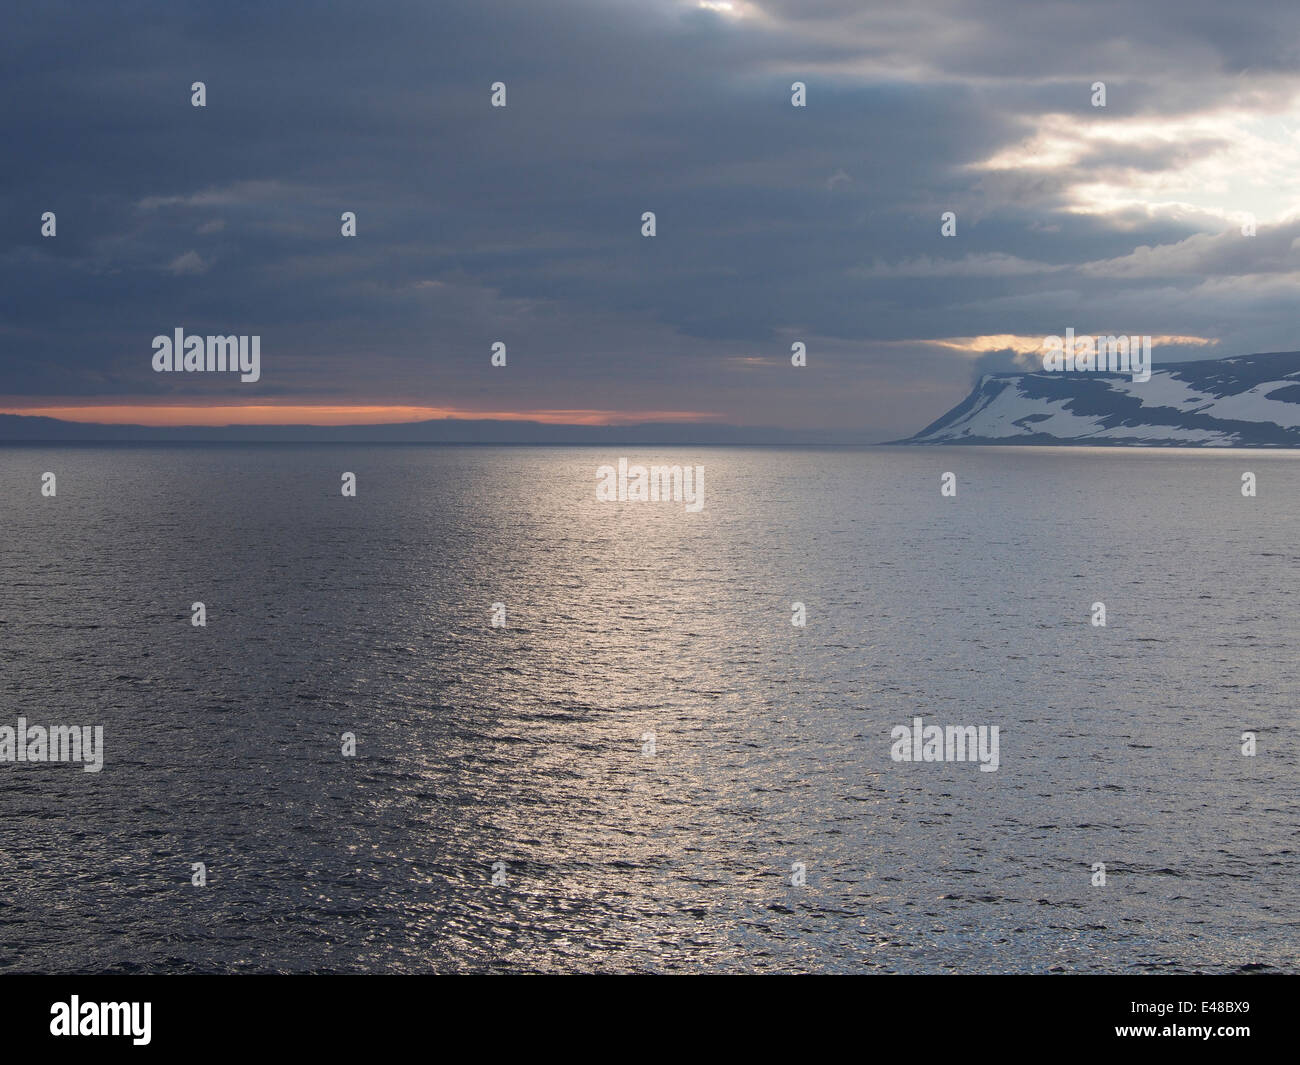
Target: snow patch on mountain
{"x":1244,"y":401}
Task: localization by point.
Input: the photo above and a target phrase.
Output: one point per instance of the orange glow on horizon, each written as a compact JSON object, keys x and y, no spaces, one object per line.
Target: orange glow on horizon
{"x":324,"y":414}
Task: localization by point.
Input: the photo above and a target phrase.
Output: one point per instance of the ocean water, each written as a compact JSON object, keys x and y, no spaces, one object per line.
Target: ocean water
{"x":526,"y":744}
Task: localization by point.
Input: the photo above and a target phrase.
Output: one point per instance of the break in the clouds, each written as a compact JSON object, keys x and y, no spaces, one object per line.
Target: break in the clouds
{"x":522,"y":224}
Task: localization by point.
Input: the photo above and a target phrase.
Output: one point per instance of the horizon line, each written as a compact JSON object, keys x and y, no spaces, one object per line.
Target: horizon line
{"x":215,"y":416}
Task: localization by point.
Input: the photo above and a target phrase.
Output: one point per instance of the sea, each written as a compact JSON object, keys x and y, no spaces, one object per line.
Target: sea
{"x":475,"y":718}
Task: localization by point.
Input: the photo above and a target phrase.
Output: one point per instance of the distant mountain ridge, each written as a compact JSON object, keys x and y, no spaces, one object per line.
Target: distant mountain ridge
{"x":33,"y":429}
{"x":1241,"y":401}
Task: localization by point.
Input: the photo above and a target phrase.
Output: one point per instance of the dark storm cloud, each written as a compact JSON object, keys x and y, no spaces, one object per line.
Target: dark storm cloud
{"x":522,"y":225}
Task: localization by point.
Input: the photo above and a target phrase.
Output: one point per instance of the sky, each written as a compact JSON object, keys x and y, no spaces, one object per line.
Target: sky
{"x":522,"y":224}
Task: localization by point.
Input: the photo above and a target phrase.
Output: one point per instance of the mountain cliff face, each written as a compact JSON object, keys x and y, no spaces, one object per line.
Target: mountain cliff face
{"x":1246,"y":401}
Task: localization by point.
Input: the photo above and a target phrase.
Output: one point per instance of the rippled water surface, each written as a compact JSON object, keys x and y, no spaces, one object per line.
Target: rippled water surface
{"x":525,"y":744}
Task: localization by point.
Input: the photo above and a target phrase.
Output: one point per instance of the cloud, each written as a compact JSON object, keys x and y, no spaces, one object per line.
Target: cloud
{"x":988,"y":264}
{"x":189,"y":262}
{"x":522,"y":224}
